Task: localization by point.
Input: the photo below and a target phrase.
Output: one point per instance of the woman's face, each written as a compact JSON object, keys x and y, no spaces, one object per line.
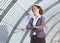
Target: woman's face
{"x":35,"y":10}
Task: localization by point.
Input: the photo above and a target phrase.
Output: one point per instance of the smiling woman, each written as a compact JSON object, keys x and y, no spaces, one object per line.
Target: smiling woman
{"x":37,"y":8}
{"x":36,"y":25}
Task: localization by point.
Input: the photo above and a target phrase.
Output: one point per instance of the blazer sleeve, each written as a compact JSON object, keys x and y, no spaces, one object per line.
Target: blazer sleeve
{"x":29,"y":27}
{"x":42,"y":24}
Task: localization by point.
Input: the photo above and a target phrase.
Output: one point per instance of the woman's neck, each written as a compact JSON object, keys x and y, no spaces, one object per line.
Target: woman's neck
{"x":36,"y":16}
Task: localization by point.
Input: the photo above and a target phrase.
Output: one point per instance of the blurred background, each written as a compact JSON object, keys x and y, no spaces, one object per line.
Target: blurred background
{"x":15,"y":14}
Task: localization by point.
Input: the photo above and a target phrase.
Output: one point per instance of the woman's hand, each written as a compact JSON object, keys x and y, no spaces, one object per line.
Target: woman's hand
{"x":37,"y":27}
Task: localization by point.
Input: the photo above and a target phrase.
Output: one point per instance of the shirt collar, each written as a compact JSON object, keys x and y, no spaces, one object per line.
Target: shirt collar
{"x":37,"y":17}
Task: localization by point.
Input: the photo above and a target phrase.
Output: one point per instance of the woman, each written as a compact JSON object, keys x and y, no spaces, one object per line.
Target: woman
{"x":36,"y":25}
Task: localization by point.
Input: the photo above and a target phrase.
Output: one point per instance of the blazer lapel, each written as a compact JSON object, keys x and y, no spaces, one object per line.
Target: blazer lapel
{"x":39,"y":21}
{"x":32,"y":22}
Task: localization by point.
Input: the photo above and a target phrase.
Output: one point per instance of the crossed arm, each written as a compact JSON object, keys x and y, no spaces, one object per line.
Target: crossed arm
{"x":38,"y":28}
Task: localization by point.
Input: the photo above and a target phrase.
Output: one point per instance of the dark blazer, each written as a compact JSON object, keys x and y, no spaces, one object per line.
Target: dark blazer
{"x":40,"y":32}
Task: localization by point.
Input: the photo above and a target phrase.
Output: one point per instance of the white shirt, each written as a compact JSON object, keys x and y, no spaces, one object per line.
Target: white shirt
{"x":35,"y":21}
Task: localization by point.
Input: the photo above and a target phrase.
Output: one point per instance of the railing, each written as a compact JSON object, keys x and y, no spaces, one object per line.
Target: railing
{"x":4,"y":4}
{"x":8,"y":6}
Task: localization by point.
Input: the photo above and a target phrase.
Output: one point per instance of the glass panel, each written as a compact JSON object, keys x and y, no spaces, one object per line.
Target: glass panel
{"x":25,"y":4}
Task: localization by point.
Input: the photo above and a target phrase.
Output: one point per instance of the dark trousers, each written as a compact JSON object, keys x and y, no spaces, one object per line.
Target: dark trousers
{"x":34,"y":39}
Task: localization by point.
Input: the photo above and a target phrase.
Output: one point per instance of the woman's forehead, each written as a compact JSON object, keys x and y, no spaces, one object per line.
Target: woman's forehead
{"x":34,"y":6}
